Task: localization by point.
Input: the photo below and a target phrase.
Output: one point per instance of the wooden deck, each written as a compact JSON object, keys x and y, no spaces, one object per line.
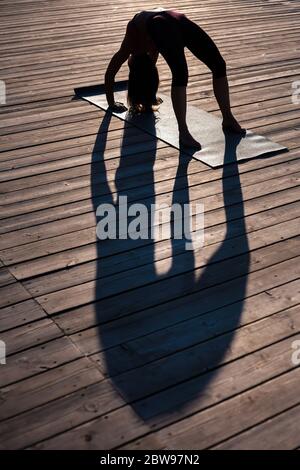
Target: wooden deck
{"x":141,"y":344}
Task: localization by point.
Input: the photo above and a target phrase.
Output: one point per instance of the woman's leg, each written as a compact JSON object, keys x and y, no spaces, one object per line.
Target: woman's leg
{"x":169,"y":43}
{"x":203,"y":47}
{"x":178,"y":95}
{"x":221,"y":91}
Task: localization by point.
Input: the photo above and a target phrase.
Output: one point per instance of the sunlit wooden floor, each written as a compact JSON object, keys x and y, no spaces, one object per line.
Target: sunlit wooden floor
{"x":144,"y":344}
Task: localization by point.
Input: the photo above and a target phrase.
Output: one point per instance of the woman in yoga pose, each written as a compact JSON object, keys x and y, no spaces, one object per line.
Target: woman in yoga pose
{"x":167,"y":32}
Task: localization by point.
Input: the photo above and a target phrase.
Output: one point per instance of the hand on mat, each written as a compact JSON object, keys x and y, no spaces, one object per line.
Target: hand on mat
{"x":118,"y":107}
{"x":232,"y":125}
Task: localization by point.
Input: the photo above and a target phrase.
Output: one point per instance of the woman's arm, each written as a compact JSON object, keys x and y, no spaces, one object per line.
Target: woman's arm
{"x":115,"y":64}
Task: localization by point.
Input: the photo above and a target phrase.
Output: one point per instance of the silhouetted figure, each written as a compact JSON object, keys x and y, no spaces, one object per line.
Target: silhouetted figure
{"x":167,"y":32}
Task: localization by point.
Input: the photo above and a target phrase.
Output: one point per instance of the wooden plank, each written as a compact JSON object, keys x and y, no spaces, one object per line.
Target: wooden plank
{"x":86,"y":252}
{"x":20,"y":314}
{"x":72,"y":130}
{"x":115,"y":428}
{"x":89,"y":138}
{"x":184,"y":364}
{"x":27,"y":235}
{"x":202,"y":430}
{"x":278,"y":433}
{"x":12,"y":294}
{"x":60,"y":414}
{"x":213,"y":297}
{"x":137,"y":346}
{"x":32,"y":334}
{"x":103,"y":267}
{"x":39,"y":359}
{"x":209,"y":194}
{"x":146,"y":278}
{"x":152,"y":321}
{"x":70,"y":157}
{"x":48,"y":386}
{"x":42,"y":190}
{"x":6,"y":277}
{"x":93,"y":198}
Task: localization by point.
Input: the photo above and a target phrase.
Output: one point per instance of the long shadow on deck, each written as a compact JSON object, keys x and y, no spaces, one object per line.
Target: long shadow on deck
{"x":162,"y":336}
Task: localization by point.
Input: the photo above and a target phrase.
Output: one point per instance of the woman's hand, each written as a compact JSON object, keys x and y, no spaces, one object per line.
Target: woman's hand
{"x":117,"y":107}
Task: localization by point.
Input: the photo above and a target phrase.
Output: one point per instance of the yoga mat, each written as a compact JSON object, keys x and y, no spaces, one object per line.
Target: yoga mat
{"x":218,"y":147}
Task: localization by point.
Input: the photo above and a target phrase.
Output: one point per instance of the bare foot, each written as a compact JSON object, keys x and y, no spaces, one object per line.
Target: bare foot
{"x":187,"y":140}
{"x":232,"y":125}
